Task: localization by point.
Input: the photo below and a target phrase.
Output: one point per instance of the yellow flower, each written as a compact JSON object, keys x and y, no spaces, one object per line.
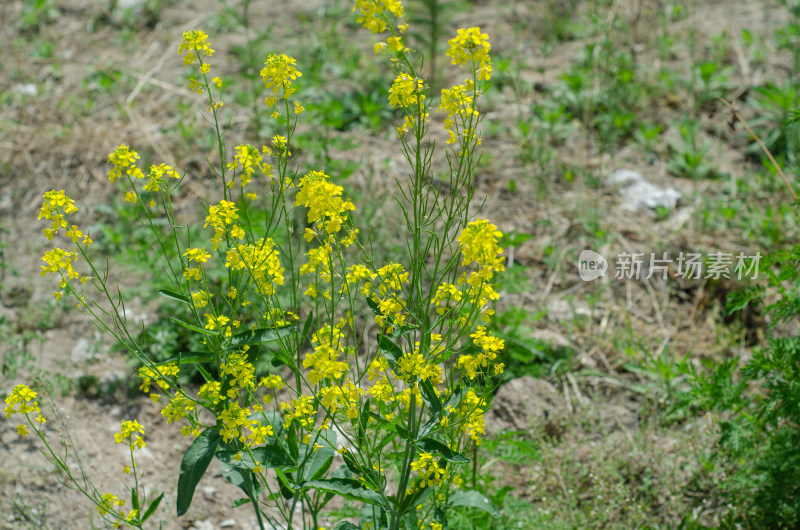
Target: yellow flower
{"x":324,"y":201}
{"x":371,"y":13}
{"x":278,"y":75}
{"x":471,"y":46}
{"x":194,"y":42}
{"x":127,"y":431}
{"x":124,"y":160}
{"x":406,"y":91}
{"x":395,"y":44}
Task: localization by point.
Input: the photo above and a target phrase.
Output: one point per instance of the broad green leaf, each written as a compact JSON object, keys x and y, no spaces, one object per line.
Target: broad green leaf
{"x":234,"y":475}
{"x":431,"y":424}
{"x":319,"y":463}
{"x":346,"y":525}
{"x":152,"y":508}
{"x":192,"y":327}
{"x":257,"y":336}
{"x":430,"y":398}
{"x":429,"y":445}
{"x":287,"y":487}
{"x":404,"y":433}
{"x":349,"y":488}
{"x":172,"y":295}
{"x":388,"y":346}
{"x":194,"y":465}
{"x":473,"y":499}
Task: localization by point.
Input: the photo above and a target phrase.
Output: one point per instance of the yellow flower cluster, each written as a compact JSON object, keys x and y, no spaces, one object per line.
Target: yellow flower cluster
{"x":56,"y":207}
{"x":155,"y":179}
{"x":413,"y":364}
{"x":239,"y":372}
{"x":301,"y":410}
{"x":471,"y":411}
{"x":372,"y":13}
{"x":480,"y":245}
{"x":220,"y":217}
{"x":324,"y":201}
{"x":446,"y":294}
{"x":22,"y":401}
{"x":162,"y":377}
{"x":428,"y":469}
{"x":458,"y":103}
{"x":324,"y":361}
{"x":194,"y":43}
{"x":123,"y":160}
{"x":470,"y":46}
{"x":127,"y":432}
{"x":278,"y":74}
{"x":346,"y":397}
{"x":261,"y":261}
{"x":406,"y":92}
{"x":247,"y":160}
{"x":489,"y":346}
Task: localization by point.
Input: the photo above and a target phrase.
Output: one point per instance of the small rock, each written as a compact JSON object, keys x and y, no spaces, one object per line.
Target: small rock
{"x":640,"y":194}
{"x":81,"y":352}
{"x":560,"y":309}
{"x":553,"y":337}
{"x":26,"y":89}
{"x":228,"y":523}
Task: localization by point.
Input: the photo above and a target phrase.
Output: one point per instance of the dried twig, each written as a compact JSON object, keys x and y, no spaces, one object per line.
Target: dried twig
{"x":741,"y":120}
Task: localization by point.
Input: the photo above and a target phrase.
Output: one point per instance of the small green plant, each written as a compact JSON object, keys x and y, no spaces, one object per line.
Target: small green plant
{"x":759,"y":408}
{"x":690,"y":154}
{"x":773,"y":123}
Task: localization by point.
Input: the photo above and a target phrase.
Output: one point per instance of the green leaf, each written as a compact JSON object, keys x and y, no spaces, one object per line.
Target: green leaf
{"x":349,"y":488}
{"x":189,"y":358}
{"x":194,"y":465}
{"x":135,"y":499}
{"x":192,"y":327}
{"x":374,"y":306}
{"x":432,"y":423}
{"x":430,"y":398}
{"x":404,"y":433}
{"x":346,"y":525}
{"x":402,"y":331}
{"x":272,"y":456}
{"x":172,"y":295}
{"x":386,"y":345}
{"x":235,"y":475}
{"x":257,"y":336}
{"x":473,"y":499}
{"x":319,"y":464}
{"x":287,"y":487}
{"x":429,"y":445}
{"x":307,"y":328}
{"x":152,"y":508}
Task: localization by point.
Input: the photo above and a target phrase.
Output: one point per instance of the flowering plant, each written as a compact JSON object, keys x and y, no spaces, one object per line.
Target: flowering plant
{"x":387,"y":368}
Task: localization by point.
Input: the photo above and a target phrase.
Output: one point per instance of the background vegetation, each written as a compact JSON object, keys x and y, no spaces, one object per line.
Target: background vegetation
{"x":669,"y":402}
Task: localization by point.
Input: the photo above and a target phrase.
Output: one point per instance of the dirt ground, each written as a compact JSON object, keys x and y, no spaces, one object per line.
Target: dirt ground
{"x":51,"y":138}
